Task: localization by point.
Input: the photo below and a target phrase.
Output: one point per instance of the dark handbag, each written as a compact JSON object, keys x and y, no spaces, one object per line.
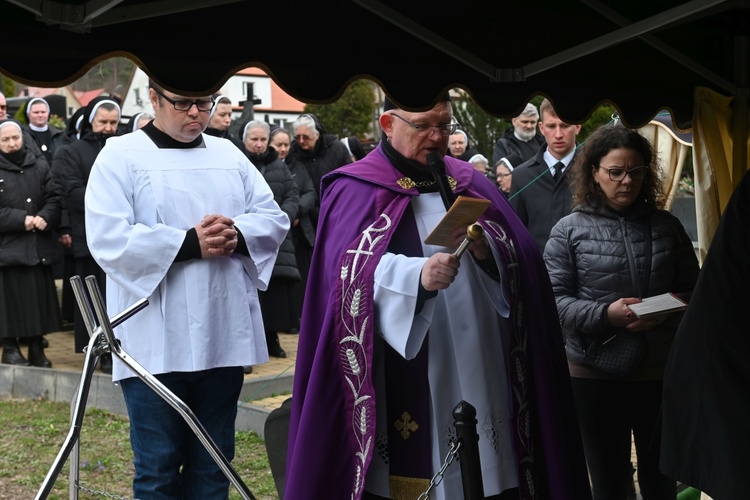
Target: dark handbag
{"x":618,"y":355}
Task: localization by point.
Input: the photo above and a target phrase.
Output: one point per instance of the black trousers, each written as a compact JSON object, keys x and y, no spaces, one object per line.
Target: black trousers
{"x":613,"y":414}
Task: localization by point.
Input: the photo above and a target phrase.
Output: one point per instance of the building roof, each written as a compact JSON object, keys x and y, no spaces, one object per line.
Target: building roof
{"x":280,"y":100}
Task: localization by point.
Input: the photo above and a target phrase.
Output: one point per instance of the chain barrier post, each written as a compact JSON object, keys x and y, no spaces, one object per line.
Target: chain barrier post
{"x":465,"y":422}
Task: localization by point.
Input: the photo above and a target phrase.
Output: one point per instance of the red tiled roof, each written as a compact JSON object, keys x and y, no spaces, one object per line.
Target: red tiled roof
{"x":85,"y":97}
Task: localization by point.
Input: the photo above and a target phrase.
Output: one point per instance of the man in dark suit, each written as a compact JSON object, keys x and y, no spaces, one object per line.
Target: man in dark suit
{"x":539,"y":190}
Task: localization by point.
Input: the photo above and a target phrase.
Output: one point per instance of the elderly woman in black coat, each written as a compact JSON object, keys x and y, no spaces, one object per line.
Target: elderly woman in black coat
{"x":30,"y":210}
{"x":276,"y":302}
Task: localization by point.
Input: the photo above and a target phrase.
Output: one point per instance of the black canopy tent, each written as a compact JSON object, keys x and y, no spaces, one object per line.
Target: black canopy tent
{"x":642,"y":57}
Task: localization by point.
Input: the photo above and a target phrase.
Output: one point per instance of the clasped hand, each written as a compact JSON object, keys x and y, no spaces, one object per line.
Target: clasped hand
{"x":33,"y":222}
{"x":217,"y":236}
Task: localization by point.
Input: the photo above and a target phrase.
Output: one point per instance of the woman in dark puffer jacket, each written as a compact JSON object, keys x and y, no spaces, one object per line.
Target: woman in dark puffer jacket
{"x":598,"y":260}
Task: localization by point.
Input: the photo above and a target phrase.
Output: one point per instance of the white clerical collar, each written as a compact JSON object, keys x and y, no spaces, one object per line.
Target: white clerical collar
{"x":39,"y":129}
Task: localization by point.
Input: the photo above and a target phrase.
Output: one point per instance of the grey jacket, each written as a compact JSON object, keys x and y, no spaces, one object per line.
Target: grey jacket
{"x":597,"y":256}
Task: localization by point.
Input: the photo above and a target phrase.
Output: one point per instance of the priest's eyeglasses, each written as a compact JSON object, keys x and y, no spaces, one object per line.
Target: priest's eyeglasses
{"x":186,"y":104}
{"x":445,"y":129}
{"x":617,"y":174}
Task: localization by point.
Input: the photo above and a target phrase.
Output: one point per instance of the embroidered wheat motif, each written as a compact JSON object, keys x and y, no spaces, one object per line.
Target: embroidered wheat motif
{"x":354,"y":307}
{"x":353,"y":364}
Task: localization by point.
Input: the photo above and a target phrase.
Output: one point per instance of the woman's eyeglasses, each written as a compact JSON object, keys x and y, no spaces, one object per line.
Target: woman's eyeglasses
{"x":426,"y":130}
{"x":186,"y":104}
{"x":617,"y":174}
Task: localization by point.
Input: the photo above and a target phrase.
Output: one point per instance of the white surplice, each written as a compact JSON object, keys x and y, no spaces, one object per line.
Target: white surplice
{"x":140,"y":202}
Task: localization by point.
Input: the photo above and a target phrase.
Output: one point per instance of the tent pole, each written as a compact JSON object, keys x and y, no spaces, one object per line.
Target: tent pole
{"x":740,"y":108}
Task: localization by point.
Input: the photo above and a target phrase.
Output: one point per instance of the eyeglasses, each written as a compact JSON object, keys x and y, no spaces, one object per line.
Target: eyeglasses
{"x":3,"y":106}
{"x":303,"y":137}
{"x":617,"y":174}
{"x":186,"y":104}
{"x":426,"y":130}
{"x":505,"y":175}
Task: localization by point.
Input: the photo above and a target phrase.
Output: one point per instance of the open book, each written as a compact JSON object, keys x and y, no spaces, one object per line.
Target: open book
{"x":658,"y":304}
{"x":464,"y":211}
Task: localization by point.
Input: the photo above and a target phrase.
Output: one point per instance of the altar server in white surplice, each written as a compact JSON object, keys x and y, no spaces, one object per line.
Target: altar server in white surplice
{"x":185,"y":220}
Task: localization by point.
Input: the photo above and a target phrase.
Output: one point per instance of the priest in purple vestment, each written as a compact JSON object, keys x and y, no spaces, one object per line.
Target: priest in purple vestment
{"x":396,"y":333}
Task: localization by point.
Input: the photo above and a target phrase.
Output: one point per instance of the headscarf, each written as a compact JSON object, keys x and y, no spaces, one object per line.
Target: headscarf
{"x":512,"y":161}
{"x":74,"y":124}
{"x":27,"y":110}
{"x":133,"y":123}
{"x":217,"y":98}
{"x":91,"y":108}
{"x":15,"y":157}
{"x":354,"y":147}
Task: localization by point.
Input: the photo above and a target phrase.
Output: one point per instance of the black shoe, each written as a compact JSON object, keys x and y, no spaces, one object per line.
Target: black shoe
{"x":247,"y":369}
{"x":45,"y":342}
{"x":293,"y":331}
{"x":36,"y":353}
{"x":12,"y":356}
{"x":105,"y":363}
{"x":274,"y":347}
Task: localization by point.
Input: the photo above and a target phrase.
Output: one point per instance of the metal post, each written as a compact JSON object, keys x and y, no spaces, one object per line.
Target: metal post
{"x":103,"y":341}
{"x":465,"y":422}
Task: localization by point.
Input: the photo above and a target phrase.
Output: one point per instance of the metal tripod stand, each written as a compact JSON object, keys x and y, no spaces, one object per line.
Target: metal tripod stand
{"x":102,"y":341}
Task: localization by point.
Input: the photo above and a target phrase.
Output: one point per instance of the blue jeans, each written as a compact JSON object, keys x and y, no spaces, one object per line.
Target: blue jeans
{"x":170,"y":461}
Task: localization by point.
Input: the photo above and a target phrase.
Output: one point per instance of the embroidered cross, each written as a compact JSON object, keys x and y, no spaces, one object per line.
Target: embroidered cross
{"x":406,"y":425}
{"x":369,"y":240}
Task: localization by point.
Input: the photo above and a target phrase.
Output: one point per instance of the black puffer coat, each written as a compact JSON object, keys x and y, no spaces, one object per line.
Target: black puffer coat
{"x":27,"y":188}
{"x":71,"y":166}
{"x":286,"y":195}
{"x":327,"y":155}
{"x":508,"y":144}
{"x":308,"y":200}
{"x":595,"y":257}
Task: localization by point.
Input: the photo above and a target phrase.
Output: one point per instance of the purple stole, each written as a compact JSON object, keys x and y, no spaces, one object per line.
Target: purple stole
{"x":353,"y":300}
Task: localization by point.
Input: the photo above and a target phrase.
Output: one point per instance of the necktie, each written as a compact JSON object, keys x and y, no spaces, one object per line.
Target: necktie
{"x":559,"y":166}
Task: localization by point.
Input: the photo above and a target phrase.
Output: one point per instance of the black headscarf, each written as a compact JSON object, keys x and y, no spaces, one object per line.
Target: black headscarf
{"x":90,"y":110}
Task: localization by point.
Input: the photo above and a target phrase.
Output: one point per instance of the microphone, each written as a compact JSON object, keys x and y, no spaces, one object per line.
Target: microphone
{"x":436,"y":166}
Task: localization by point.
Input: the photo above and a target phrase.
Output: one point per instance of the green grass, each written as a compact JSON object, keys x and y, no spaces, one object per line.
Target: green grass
{"x":32,"y":433}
